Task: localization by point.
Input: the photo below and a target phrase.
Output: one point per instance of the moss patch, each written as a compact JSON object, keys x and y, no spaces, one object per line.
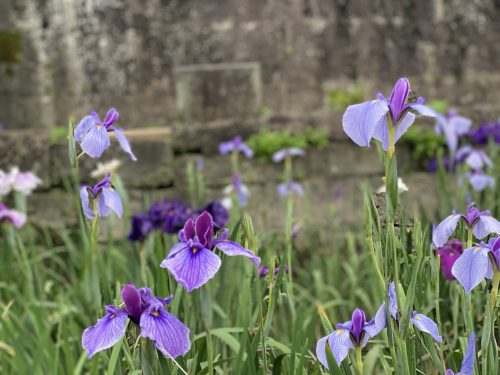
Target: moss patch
{"x":10,"y":46}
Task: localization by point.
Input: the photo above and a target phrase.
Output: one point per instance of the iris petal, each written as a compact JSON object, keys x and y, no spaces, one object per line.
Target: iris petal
{"x":340,"y":344}
{"x":83,"y":127}
{"x":471,"y":268}
{"x":486,"y":225}
{"x":360,"y":121}
{"x":95,"y":141}
{"x":321,"y":350}
{"x":124,"y":143}
{"x":445,"y":229}
{"x":84,"y":196}
{"x":381,"y":132}
{"x":231,"y":248}
{"x":425,"y":324}
{"x":467,"y":367}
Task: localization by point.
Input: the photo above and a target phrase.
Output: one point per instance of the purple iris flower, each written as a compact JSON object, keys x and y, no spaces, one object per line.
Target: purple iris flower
{"x":362,"y":122}
{"x":192,"y":261}
{"x":141,"y":226}
{"x":218,"y":212}
{"x":16,"y":218}
{"x":452,"y":126}
{"x":480,"y":180}
{"x":476,"y":264}
{"x":92,"y":134}
{"x":281,"y":155}
{"x":169,"y":334}
{"x":449,"y":253}
{"x":419,"y":321}
{"x":467,"y":367}
{"x":108,"y":199}
{"x":290,"y":187}
{"x":235,"y":145}
{"x":475,"y":159}
{"x":485,"y":131}
{"x":481,"y":223}
{"x":354,"y":333}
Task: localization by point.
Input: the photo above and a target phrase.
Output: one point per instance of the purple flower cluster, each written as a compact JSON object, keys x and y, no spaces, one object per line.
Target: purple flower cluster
{"x":481,"y":135}
{"x":170,"y":216}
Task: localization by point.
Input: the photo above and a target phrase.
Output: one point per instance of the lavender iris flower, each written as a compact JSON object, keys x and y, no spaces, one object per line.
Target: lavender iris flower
{"x":281,"y":155}
{"x":449,"y":253}
{"x":480,"y":180}
{"x":476,"y":264}
{"x":92,"y":134}
{"x":290,"y":187}
{"x":481,"y":223}
{"x":192,"y":260}
{"x":362,"y":122}
{"x":108,"y":199}
{"x":16,"y":218}
{"x":486,"y":131}
{"x":467,"y":367}
{"x":170,"y":335}
{"x":419,"y":321}
{"x":14,"y":180}
{"x":475,"y":159}
{"x":235,"y":145}
{"x":354,"y":333}
{"x":453,"y":127}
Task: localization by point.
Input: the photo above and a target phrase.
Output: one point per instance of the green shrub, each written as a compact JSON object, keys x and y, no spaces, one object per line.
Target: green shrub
{"x":339,"y":100}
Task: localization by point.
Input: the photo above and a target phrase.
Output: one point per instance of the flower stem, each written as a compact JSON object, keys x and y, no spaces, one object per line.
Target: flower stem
{"x":467,"y":304}
{"x":494,"y":291}
{"x":359,"y":360}
{"x":391,"y":130}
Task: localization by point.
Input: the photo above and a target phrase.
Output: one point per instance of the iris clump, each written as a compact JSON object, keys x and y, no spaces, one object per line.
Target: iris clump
{"x":141,"y":307}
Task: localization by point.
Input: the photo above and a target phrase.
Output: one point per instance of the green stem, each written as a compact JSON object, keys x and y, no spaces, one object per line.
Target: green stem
{"x":288,"y":239}
{"x":467,"y":303}
{"x":359,"y":360}
{"x":494,"y":291}
{"x":392,"y":135}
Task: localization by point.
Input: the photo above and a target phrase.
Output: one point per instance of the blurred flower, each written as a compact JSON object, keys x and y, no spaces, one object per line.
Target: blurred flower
{"x":238,"y":187}
{"x":481,"y":223}
{"x":92,"y":134}
{"x":108,"y":199}
{"x":192,"y":260}
{"x":475,"y":159}
{"x":486,"y":131}
{"x":218,"y":213}
{"x":141,"y":226}
{"x":480,"y":180}
{"x":476,"y":264}
{"x":235,"y":145}
{"x":467,"y":367}
{"x":23,"y":182}
{"x":264,"y":271}
{"x":401,"y":186}
{"x":104,"y":168}
{"x":449,"y":253}
{"x":200,"y":164}
{"x":447,"y":163}
{"x":281,"y":155}
{"x":337,"y":193}
{"x":290,"y":187}
{"x":453,"y":127}
{"x":16,"y":218}
{"x":353,"y":333}
{"x":362,"y":122}
{"x":169,"y":334}
{"x":419,"y":321}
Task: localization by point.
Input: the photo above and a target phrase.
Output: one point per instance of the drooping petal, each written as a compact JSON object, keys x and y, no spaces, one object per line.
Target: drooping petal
{"x":445,"y":229}
{"x":321,"y":350}
{"x":192,"y":269}
{"x":111,"y":117}
{"x":84,"y":196}
{"x":486,"y":225}
{"x":340,"y":343}
{"x":83,"y":127}
{"x":204,"y":226}
{"x":106,"y":332}
{"x":124,"y":143}
{"x":425,"y":324}
{"x":423,"y":110}
{"x":467,"y":367}
{"x":109,"y":201}
{"x":246,"y":150}
{"x":95,"y":141}
{"x":360,"y":121}
{"x":17,"y":218}
{"x":169,"y":334}
{"x":377,"y":324}
{"x":472,"y":267}
{"x":132,"y":300}
{"x":231,"y":248}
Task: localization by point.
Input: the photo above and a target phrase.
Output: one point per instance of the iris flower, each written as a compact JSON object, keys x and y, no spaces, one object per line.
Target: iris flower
{"x":419,"y":321}
{"x":170,"y":335}
{"x":281,"y":155}
{"x":467,"y":367}
{"x":475,"y":159}
{"x":362,"y":122}
{"x":237,"y":186}
{"x":14,"y":180}
{"x":476,"y":264}
{"x":16,"y":218}
{"x":481,"y":223}
{"x":192,"y":261}
{"x":353,"y":333}
{"x":480,"y":180}
{"x":92,"y":134}
{"x":449,"y":253}
{"x":108,"y":199}
{"x":235,"y":145}
{"x":290,"y":187}
{"x":452,"y":126}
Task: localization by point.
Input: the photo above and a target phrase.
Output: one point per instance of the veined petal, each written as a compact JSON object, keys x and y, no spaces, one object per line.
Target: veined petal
{"x":178,"y":247}
{"x":112,"y":200}
{"x":472,"y":267}
{"x":192,"y":269}
{"x":340,"y":343}
{"x":83,"y":127}
{"x":95,"y":141}
{"x":169,"y":334}
{"x":467,"y":367}
{"x":84,"y":196}
{"x":361,"y":120}
{"x":124,"y":144}
{"x":321,"y":350}
{"x":486,"y":225}
{"x":107,"y":331}
{"x":382,"y":134}
{"x":231,"y":248}
{"x":425,"y":324}
{"x":445,"y":229}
